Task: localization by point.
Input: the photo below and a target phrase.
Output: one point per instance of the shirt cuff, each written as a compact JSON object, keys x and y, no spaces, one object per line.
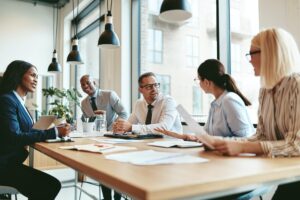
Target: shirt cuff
{"x":135,"y":129}
{"x":56,"y":132}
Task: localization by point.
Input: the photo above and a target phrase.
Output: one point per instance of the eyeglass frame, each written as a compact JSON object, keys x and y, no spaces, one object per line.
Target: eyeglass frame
{"x":248,"y":55}
{"x":150,"y":86}
{"x":197,"y":80}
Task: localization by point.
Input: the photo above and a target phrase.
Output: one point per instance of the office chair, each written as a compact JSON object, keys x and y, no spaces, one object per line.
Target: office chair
{"x":9,"y":190}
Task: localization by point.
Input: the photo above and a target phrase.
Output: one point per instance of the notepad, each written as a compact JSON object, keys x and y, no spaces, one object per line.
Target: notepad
{"x":175,"y":143}
{"x":98,"y":148}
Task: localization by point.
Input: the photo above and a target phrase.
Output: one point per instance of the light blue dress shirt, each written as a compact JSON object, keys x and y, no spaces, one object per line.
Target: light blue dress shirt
{"x":228,"y":117}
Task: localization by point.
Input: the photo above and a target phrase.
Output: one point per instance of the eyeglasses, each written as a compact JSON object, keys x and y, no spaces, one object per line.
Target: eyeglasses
{"x":248,"y":55}
{"x":197,"y":80}
{"x":150,"y":86}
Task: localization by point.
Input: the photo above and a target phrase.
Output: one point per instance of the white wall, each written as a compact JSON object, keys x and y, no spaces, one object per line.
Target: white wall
{"x":26,"y":34}
{"x":281,"y":13}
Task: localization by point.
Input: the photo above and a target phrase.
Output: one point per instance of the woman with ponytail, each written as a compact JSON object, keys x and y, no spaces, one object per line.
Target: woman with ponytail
{"x":228,"y":115}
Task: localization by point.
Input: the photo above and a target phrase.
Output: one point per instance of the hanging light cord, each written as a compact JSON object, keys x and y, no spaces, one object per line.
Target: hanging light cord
{"x":73,"y":16}
{"x":109,"y":10}
{"x":53,"y":27}
{"x":56,"y":25}
{"x":76,"y":25}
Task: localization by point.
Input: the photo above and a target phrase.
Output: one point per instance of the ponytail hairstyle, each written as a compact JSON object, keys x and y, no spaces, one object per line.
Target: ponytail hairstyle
{"x":213,"y":70}
{"x":13,"y":75}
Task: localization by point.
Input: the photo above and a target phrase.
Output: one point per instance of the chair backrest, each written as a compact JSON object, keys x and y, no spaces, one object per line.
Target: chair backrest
{"x":8,"y":190}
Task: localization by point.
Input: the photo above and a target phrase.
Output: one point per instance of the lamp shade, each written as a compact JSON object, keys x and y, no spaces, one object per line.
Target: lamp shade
{"x":74,"y":56}
{"x":54,"y":65}
{"x":109,"y":39}
{"x":175,"y":11}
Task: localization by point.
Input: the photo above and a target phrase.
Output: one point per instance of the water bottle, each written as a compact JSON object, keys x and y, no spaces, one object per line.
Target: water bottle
{"x":100,"y":123}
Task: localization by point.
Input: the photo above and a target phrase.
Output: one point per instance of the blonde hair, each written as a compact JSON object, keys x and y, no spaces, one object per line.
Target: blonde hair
{"x":279,"y":55}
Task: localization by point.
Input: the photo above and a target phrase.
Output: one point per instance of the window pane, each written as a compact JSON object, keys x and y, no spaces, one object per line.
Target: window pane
{"x":244,"y":25}
{"x":179,"y":46}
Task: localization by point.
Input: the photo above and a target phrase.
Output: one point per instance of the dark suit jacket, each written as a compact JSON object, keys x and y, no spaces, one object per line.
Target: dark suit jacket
{"x":16,"y":131}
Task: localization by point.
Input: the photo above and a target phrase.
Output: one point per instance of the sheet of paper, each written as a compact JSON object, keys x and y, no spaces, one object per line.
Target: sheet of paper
{"x":191,"y":123}
{"x":175,"y":143}
{"x":195,"y":127}
{"x":151,"y":157}
{"x":115,"y":140}
{"x":45,"y":122}
{"x":80,"y":134}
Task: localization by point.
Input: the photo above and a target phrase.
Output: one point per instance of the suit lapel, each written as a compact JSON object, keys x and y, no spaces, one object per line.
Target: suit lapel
{"x":25,"y":120}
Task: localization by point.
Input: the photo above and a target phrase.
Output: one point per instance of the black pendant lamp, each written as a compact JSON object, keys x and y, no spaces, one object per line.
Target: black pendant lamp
{"x":175,"y":11}
{"x":54,"y":65}
{"x":109,"y":39}
{"x":74,"y":56}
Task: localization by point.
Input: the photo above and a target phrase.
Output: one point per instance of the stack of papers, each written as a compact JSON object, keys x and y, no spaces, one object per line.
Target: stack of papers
{"x":80,"y":134}
{"x":115,"y":141}
{"x":175,"y":143}
{"x":98,"y":148}
{"x":150,"y":157}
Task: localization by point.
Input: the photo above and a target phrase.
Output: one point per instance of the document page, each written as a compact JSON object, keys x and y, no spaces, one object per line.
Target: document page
{"x":175,"y":143}
{"x":195,"y":127}
{"x":45,"y":122}
{"x":151,"y":157}
{"x":191,"y":123}
{"x":98,"y":148}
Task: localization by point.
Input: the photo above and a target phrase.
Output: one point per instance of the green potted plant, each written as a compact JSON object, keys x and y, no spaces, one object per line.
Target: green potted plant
{"x":64,"y":101}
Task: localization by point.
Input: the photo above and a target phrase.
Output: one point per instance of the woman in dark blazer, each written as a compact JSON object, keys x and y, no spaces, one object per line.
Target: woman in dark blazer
{"x":16,"y":133}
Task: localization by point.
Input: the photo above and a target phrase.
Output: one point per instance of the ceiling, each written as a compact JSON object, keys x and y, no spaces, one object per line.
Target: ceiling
{"x":59,"y":3}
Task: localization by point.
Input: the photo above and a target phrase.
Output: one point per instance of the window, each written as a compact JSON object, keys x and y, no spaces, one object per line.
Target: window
{"x":88,"y":35}
{"x":192,"y":51}
{"x":165,"y":83}
{"x":154,"y":6}
{"x":244,"y":22}
{"x":166,"y":49}
{"x":197,"y":100}
{"x":155,"y":48}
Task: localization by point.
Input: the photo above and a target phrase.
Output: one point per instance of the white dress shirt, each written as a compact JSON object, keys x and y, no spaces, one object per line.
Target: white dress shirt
{"x":164,"y":115}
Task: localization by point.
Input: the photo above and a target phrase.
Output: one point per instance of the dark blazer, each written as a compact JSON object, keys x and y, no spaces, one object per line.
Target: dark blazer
{"x":16,"y":131}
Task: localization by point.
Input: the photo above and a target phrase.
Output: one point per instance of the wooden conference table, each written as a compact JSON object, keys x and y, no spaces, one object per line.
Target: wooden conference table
{"x":220,"y":176}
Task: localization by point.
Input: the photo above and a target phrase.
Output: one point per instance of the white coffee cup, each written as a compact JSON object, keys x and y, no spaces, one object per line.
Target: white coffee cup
{"x":88,"y":127}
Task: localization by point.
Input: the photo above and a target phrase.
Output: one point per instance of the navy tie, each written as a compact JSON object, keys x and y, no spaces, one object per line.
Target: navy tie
{"x":93,"y":103}
{"x":149,"y":114}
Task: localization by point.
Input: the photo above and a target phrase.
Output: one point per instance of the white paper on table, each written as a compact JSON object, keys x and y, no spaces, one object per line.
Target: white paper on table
{"x":115,"y":140}
{"x":151,"y":157}
{"x":175,"y":143}
{"x":80,"y":134}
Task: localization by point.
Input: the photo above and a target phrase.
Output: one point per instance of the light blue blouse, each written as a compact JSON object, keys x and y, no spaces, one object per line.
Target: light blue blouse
{"x":228,"y":117}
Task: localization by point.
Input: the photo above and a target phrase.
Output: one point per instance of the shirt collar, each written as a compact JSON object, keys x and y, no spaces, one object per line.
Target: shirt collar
{"x":95,"y":94}
{"x":218,"y":101}
{"x":22,"y":101}
{"x":154,"y":102}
